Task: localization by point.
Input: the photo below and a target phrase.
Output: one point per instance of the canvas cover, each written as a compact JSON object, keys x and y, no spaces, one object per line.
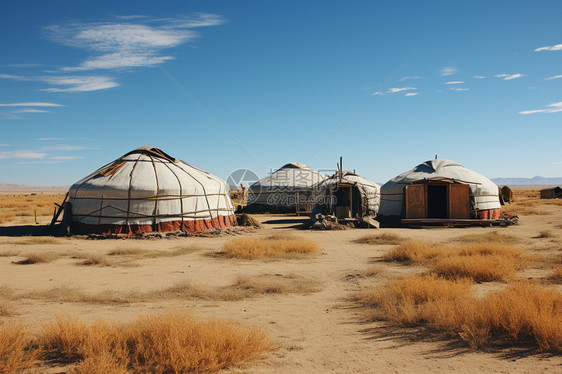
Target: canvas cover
{"x":370,"y":191}
{"x":483,"y":192}
{"x":285,"y":186}
{"x":147,"y":190}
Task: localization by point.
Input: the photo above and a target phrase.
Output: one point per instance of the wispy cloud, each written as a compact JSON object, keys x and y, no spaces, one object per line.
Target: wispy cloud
{"x":406,"y":78}
{"x":5,"y":145}
{"x":448,"y":70}
{"x":550,"y":108}
{"x":400,"y":89}
{"x":72,"y":83}
{"x":455,"y":82}
{"x":29,"y":110}
{"x":460,"y":89}
{"x":22,"y":155}
{"x":479,"y":77}
{"x":79,"y":83}
{"x":556,"y":47}
{"x":395,"y":90}
{"x":507,"y":77}
{"x":133,"y":41}
{"x":29,"y":104}
{"x":50,"y":139}
{"x":553,"y":77}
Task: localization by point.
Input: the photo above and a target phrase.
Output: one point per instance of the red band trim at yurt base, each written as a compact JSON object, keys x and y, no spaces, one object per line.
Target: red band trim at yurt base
{"x":200,"y":225}
{"x":489,"y":214}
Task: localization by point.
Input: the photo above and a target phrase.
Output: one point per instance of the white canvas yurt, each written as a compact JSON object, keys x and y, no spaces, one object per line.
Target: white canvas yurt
{"x":440,"y":189}
{"x":288,"y":189}
{"x":146,"y":191}
{"x":349,"y":195}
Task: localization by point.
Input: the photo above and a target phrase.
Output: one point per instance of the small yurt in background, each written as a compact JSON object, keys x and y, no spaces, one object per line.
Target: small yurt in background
{"x":439,"y":189}
{"x":348,"y":195}
{"x":287,"y":190}
{"x":146,"y":190}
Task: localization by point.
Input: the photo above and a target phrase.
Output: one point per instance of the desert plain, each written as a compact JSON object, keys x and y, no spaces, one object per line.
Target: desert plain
{"x":307,"y":303}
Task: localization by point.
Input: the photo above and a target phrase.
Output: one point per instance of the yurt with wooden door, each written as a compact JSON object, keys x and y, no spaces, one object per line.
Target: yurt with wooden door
{"x":439,"y":189}
{"x":348,"y":195}
{"x":147,"y":190}
{"x":287,"y":190}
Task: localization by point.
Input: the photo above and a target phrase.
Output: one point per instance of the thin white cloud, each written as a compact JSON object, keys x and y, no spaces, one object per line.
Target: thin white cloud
{"x":553,"y":77}
{"x":28,"y":104}
{"x":550,"y":108}
{"x":71,"y":83}
{"x":410,"y":94}
{"x":556,"y":47}
{"x":448,"y":70}
{"x":460,"y":89}
{"x":406,"y":78}
{"x":508,"y":77}
{"x":50,"y":139}
{"x":125,"y":44}
{"x":479,"y":77}
{"x":5,"y":145}
{"x":66,"y":157}
{"x":29,"y":110}
{"x":455,"y":82}
{"x":22,"y":155}
{"x":79,"y":83}
{"x":377,"y":93}
{"x":65,"y":147}
{"x":400,"y":89}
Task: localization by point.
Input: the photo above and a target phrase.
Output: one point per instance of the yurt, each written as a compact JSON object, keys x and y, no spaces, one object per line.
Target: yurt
{"x":146,"y":190}
{"x":439,"y":189}
{"x":287,"y":190}
{"x":348,"y":195}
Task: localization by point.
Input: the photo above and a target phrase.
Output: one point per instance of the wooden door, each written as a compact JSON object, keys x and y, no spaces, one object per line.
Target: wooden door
{"x":459,"y":201}
{"x":416,"y":198}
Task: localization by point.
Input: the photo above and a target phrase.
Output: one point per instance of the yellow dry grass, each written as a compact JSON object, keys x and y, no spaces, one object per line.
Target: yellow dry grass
{"x":37,"y":258}
{"x":15,"y":352}
{"x":380,"y":239}
{"x":25,"y":205}
{"x":415,"y":251}
{"x":489,"y":237}
{"x":170,"y":343}
{"x":521,"y":314}
{"x":143,"y":253}
{"x":251,"y":248}
{"x":481,"y":262}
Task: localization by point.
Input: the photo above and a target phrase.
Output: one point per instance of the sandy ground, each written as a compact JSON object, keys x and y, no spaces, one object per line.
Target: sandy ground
{"x":315,"y":333}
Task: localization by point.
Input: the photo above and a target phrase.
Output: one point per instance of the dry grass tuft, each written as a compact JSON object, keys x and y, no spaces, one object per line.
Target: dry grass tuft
{"x":250,"y":248}
{"x":380,"y":239}
{"x":481,"y":262}
{"x":415,"y":251}
{"x":9,"y":253}
{"x":490,"y":237}
{"x":544,"y":234}
{"x":276,"y":284}
{"x":33,"y":240}
{"x":5,"y":311}
{"x":143,"y":253}
{"x":37,"y":258}
{"x":156,"y":344}
{"x":15,"y":352}
{"x":481,"y":268}
{"x":557,"y":275}
{"x":95,"y":260}
{"x":245,"y":219}
{"x":521,"y":314}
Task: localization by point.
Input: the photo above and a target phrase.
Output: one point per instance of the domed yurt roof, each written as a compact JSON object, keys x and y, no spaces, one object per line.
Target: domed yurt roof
{"x":148,"y":190}
{"x":370,"y":190}
{"x":291,"y":176}
{"x":483,"y":192}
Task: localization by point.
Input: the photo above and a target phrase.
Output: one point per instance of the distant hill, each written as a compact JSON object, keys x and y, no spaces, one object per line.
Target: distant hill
{"x":23,"y":187}
{"x":535,"y":181}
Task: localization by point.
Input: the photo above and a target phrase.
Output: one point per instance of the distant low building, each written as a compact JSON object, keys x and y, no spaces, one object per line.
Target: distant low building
{"x":551,"y":193}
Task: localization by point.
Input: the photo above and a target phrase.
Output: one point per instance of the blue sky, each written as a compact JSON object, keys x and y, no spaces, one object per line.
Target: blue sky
{"x":256,"y":84}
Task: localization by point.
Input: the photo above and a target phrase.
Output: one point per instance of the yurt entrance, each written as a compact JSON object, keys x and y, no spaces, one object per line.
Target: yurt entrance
{"x":346,"y":201}
{"x":437,"y":201}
